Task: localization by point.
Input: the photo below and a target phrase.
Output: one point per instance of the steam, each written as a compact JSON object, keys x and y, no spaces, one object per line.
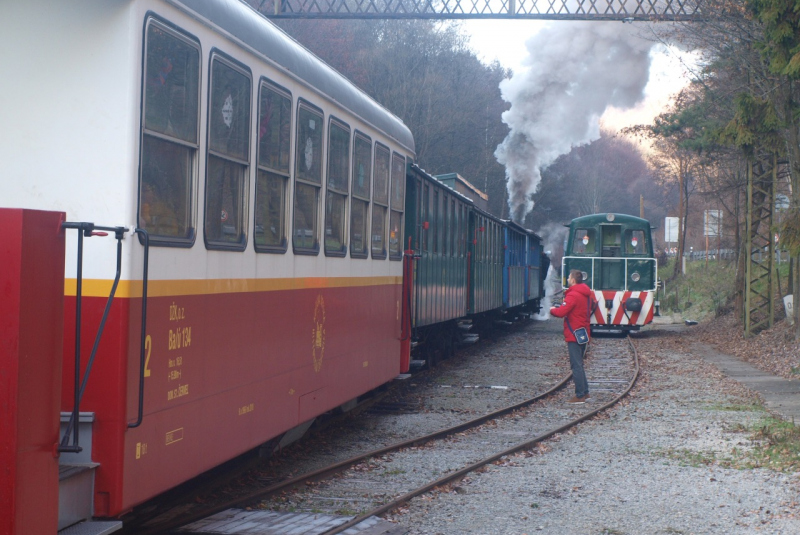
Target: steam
{"x":576,"y":71}
{"x":553,"y":237}
{"x":550,"y":282}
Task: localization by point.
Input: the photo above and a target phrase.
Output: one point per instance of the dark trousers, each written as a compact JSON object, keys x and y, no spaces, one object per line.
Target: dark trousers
{"x":576,"y":353}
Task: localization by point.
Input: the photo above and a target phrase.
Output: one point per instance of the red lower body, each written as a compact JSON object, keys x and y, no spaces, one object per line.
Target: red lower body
{"x":617,"y":312}
{"x":225,"y":372}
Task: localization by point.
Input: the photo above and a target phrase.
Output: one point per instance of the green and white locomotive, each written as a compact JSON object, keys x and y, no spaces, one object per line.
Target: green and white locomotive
{"x":615,"y":254}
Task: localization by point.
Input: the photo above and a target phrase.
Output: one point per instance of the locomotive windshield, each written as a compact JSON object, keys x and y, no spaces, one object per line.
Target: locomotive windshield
{"x":635,"y":242}
{"x":611,"y":240}
{"x":584,"y":241}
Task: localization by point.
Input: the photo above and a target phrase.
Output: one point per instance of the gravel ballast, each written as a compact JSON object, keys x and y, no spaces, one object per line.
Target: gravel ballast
{"x":655,"y":464}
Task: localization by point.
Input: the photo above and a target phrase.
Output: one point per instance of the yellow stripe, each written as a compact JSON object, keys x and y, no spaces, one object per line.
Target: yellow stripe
{"x":163,"y":288}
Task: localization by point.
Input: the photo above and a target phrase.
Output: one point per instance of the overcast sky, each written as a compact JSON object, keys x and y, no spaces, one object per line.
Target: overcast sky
{"x":504,"y":40}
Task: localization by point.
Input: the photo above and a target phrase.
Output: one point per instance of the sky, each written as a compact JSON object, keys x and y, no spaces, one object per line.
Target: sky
{"x":504,"y":40}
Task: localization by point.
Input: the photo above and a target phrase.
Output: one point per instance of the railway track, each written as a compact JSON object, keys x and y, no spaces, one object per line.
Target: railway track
{"x":347,"y":494}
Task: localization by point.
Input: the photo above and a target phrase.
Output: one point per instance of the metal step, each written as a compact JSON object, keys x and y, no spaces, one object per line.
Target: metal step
{"x":75,"y":493}
{"x":469,"y":338}
{"x":92,"y":528}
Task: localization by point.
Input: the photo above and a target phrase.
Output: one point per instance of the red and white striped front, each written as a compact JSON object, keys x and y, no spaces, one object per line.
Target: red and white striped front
{"x":617,"y":313}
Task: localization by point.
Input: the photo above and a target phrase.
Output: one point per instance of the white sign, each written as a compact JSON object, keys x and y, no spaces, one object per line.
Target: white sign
{"x":670,"y":229}
{"x":227,"y":111}
{"x":712,"y":223}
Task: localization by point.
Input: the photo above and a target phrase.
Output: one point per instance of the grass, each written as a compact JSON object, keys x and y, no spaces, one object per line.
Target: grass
{"x":686,"y":457}
{"x":775,"y":445}
{"x":740,"y":407}
{"x":778,"y":446}
{"x":396,"y":472}
{"x":705,"y":290}
{"x":702,"y":293}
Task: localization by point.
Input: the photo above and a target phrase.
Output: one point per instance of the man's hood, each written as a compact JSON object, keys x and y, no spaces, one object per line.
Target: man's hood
{"x":581,"y":289}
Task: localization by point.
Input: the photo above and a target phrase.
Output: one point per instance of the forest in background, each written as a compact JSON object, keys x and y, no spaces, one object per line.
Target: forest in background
{"x":745,"y":98}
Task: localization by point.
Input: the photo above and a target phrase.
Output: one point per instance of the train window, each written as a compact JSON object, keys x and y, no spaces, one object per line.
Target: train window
{"x":584,"y":241}
{"x":436,"y":223}
{"x":397,"y":200}
{"x":274,"y":131}
{"x":456,"y":228}
{"x":228,"y":155}
{"x":378,"y":231}
{"x":453,"y":226}
{"x":308,"y":179}
{"x":380,"y":200}
{"x":634,"y":242}
{"x":381,"y":177}
{"x":426,"y":215}
{"x":445,"y":225}
{"x":395,"y":235}
{"x":359,"y":207}
{"x":481,"y":238}
{"x":309,"y":144}
{"x":171,"y":89}
{"x":306,"y":200}
{"x":337,"y":188}
{"x":492,"y":244}
{"x":460,"y":231}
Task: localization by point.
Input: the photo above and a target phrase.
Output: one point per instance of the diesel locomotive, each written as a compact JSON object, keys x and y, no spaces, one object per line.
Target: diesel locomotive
{"x":210,"y":238}
{"x":614,"y":252}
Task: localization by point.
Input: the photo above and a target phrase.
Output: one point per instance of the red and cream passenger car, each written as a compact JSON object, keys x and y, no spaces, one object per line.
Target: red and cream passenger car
{"x":272,"y":190}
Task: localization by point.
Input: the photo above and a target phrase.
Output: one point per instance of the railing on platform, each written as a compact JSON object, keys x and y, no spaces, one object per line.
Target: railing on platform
{"x":88,"y":230}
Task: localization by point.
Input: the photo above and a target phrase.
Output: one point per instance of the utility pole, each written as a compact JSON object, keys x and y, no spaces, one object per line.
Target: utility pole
{"x":641,"y":206}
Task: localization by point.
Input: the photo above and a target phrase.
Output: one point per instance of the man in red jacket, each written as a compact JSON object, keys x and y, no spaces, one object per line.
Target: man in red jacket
{"x":576,"y":308}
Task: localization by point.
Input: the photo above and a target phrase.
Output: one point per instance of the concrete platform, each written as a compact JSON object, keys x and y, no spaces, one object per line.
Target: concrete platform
{"x":781,"y":396}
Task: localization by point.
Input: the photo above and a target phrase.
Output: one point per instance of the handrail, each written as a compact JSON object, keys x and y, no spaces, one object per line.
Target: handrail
{"x":626,"y":259}
{"x":86,"y":229}
{"x":143,"y":334}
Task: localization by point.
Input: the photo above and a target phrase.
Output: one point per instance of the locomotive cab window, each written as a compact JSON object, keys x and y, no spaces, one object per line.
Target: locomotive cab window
{"x":171,"y":87}
{"x":611,"y":240}
{"x":584,"y":241}
{"x":308,"y":179}
{"x":380,"y":201}
{"x":359,"y":204}
{"x":634,"y":242}
{"x":274,"y":136}
{"x":396,"y":213}
{"x":228,"y":154}
{"x":337,"y":189}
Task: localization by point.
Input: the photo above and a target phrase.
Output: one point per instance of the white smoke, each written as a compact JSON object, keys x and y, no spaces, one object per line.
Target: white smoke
{"x":576,"y":71}
{"x":551,"y":282}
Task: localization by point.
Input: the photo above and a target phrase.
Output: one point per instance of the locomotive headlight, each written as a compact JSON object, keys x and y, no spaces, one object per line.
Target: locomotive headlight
{"x":585,"y":275}
{"x":635,"y":276}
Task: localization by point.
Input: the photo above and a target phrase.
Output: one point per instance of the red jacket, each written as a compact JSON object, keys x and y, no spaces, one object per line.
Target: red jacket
{"x":578,"y":300}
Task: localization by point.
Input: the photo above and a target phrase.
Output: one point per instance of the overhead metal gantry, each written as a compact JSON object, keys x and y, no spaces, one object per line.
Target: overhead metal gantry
{"x":598,"y":10}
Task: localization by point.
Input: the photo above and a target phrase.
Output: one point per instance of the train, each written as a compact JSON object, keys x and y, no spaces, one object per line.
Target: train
{"x":614,"y":253}
{"x":210,"y":239}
